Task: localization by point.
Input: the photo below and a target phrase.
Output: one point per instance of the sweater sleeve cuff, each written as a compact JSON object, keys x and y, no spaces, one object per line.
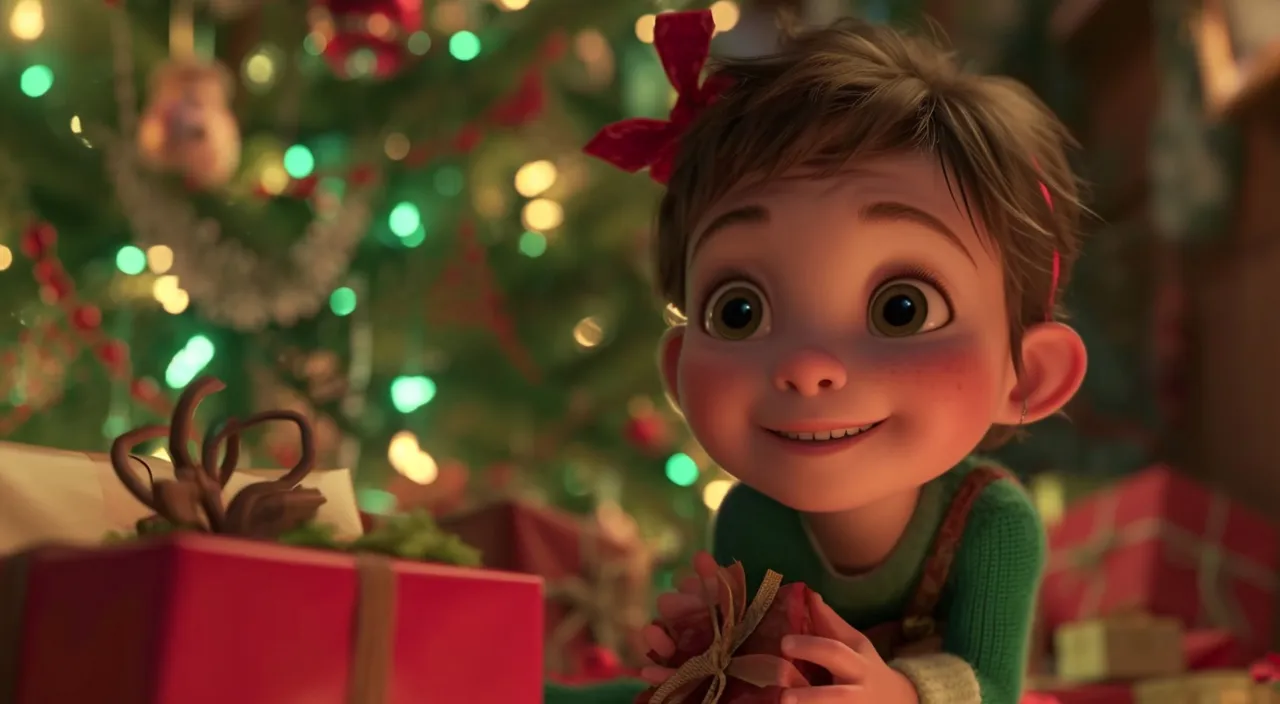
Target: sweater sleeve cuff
{"x":941,"y":678}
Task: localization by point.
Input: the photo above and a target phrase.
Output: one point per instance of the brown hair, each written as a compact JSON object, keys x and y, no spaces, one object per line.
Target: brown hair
{"x":852,"y":90}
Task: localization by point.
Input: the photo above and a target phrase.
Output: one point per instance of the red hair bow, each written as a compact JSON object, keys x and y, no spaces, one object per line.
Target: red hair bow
{"x":683,"y":41}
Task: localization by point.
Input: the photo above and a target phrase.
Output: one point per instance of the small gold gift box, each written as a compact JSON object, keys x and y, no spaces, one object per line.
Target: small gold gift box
{"x":1130,"y":647}
{"x":1208,"y":687}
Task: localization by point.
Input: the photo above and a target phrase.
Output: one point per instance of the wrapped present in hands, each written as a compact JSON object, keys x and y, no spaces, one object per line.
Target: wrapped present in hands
{"x":731,"y":653}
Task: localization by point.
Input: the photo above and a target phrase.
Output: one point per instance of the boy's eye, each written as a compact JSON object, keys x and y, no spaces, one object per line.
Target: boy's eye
{"x":906,"y":307}
{"x":736,"y":311}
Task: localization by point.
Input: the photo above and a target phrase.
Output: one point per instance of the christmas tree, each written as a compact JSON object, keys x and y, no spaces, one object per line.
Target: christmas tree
{"x":373,"y":211}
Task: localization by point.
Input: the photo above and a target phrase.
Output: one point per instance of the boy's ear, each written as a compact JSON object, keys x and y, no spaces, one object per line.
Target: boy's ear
{"x":1054,"y":361}
{"x":669,"y":348}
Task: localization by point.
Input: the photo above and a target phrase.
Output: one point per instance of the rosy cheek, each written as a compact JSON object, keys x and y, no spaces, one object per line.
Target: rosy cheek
{"x":959,"y":364}
{"x":712,"y":385}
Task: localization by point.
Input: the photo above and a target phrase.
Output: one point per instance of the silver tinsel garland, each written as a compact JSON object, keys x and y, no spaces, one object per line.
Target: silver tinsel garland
{"x":229,"y":283}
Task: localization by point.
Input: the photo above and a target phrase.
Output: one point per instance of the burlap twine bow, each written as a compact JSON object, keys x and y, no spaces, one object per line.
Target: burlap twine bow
{"x":193,"y":500}
{"x":1216,"y":567}
{"x":729,"y":631}
{"x":601,"y":599}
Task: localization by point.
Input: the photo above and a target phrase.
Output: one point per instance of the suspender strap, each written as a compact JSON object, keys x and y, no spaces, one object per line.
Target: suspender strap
{"x":919,"y":621}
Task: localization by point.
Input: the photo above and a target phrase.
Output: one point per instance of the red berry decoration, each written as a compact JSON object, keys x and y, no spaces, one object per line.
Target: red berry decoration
{"x":648,"y":432}
{"x":600,"y":661}
{"x":113,"y":354}
{"x":144,"y":389}
{"x":467,"y":139}
{"x":46,"y":270}
{"x":39,"y":240}
{"x":555,"y":47}
{"x":86,"y":318}
{"x":378,"y":29}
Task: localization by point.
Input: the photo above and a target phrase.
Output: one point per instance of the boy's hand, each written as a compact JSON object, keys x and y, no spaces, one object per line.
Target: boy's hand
{"x":860,"y":676}
{"x":690,"y":597}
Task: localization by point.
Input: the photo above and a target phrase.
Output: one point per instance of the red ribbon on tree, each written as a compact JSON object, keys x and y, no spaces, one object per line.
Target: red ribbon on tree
{"x":683,"y":41}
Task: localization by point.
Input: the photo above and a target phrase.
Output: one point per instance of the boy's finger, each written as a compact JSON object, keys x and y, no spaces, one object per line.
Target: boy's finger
{"x":828,"y":624}
{"x":705,"y":565}
{"x":695,"y":585}
{"x":846,"y":666}
{"x":675,"y":605}
{"x":690,"y":584}
{"x":658,"y":641}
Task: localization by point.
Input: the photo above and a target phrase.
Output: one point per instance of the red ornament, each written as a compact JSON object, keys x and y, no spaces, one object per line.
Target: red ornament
{"x":144,"y":389}
{"x":600,"y":662}
{"x":86,"y":318}
{"x":39,"y":240}
{"x":46,"y":271}
{"x":378,"y":28}
{"x":555,"y":46}
{"x":113,"y":354}
{"x":524,"y":105}
{"x":467,"y":139}
{"x":648,"y":432}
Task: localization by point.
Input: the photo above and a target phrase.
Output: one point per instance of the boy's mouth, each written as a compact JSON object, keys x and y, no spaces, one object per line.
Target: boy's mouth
{"x":827,"y":435}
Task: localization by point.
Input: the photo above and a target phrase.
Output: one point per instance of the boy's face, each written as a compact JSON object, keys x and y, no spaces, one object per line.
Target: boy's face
{"x":847,"y":337}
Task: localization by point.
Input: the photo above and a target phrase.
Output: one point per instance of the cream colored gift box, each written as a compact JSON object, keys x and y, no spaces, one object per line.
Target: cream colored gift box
{"x":59,"y":496}
{"x":1208,"y":687}
{"x":1129,"y":647}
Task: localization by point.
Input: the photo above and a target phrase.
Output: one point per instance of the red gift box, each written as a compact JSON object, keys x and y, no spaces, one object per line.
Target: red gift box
{"x":735,"y":656}
{"x":597,"y":585}
{"x":1213,"y":650}
{"x":207,"y":620}
{"x":1162,"y":543}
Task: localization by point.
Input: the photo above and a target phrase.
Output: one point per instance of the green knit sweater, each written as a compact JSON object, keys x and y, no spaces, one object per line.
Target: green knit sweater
{"x":987,"y":603}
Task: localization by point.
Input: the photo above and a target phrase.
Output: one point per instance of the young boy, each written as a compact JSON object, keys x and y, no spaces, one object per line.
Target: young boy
{"x":868,"y":243}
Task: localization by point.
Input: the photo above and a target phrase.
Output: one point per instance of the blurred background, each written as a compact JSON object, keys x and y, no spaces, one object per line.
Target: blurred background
{"x":377,"y":212}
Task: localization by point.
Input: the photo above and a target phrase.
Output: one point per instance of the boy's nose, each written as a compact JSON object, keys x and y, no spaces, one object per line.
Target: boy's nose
{"x":810,"y":372}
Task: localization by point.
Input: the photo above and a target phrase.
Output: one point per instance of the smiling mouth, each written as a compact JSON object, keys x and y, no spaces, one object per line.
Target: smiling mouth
{"x":822,"y":436}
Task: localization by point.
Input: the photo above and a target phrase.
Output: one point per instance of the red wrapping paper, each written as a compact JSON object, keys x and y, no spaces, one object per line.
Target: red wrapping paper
{"x":207,"y":620}
{"x":1162,"y":543}
{"x":1214,"y":650}
{"x":558,"y":547}
{"x":694,"y":634}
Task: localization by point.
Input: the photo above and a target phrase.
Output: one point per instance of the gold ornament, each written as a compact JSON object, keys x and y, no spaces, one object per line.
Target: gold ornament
{"x":187,"y":127}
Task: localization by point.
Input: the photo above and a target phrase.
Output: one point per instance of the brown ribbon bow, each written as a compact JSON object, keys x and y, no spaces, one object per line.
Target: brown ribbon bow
{"x":193,"y":498}
{"x":731,"y":626}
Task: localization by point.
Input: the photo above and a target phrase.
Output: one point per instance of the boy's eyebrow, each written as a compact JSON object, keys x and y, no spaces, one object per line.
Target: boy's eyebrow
{"x":747,"y":214}
{"x":892,"y":211}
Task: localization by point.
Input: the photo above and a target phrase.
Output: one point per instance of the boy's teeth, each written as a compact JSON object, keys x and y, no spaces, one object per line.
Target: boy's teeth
{"x":826,"y":434}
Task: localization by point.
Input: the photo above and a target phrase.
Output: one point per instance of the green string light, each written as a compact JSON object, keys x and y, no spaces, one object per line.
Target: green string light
{"x":414,"y":239}
{"x":342,"y":301}
{"x":131,"y":260}
{"x":464,"y":46}
{"x":299,"y":162}
{"x":533,"y":244}
{"x":404,"y":219}
{"x":409,"y":393}
{"x":189,"y":362}
{"x":36,"y":81}
{"x":682,"y":470}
